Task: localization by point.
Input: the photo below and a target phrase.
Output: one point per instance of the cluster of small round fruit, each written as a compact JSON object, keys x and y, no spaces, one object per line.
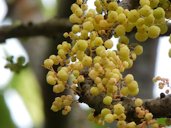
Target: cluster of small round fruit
{"x":89,"y":67}
{"x":163,"y":83}
{"x":62,"y":103}
{"x":108,"y":116}
{"x":117,"y":113}
{"x":146,"y":116}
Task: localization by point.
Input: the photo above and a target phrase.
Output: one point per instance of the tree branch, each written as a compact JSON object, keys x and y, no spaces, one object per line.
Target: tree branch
{"x":50,"y":28}
{"x":159,"y":107}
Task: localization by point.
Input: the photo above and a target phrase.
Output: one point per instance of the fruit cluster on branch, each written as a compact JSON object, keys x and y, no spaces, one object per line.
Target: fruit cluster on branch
{"x":89,"y":67}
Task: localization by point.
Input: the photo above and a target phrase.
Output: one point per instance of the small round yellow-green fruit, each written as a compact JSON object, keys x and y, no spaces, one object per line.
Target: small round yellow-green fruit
{"x":94,"y":91}
{"x":109,"y":118}
{"x":118,"y":109}
{"x":138,"y":102}
{"x":51,"y":79}
{"x":48,"y":63}
{"x":107,"y":100}
{"x":63,"y":75}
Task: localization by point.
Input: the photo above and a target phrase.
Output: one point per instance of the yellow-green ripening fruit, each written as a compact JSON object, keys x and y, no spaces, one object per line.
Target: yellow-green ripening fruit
{"x":155,"y":125}
{"x":149,"y":20}
{"x":122,"y":117}
{"x":159,"y":13}
{"x":142,"y":29}
{"x":98,"y":41}
{"x":132,"y":86}
{"x":84,"y":34}
{"x":121,"y":18}
{"x":91,"y":13}
{"x":165,"y":4}
{"x":118,"y":109}
{"x":50,"y":79}
{"x":108,"y":44}
{"x":97,"y":59}
{"x":144,"y":2}
{"x":124,"y":91}
{"x":154,"y":3}
{"x":121,"y":124}
{"x":55,"y":108}
{"x":170,"y":38}
{"x":138,"y":50}
{"x":48,"y":63}
{"x":124,"y":40}
{"x":63,"y":75}
{"x":109,"y":118}
{"x":170,"y":53}
{"x":124,"y":52}
{"x":82,"y":45}
{"x":128,"y":78}
{"x":100,"y":49}
{"x":99,"y":9}
{"x":140,"y":22}
{"x":87,"y":61}
{"x":131,"y":125}
{"x":153,"y":31}
{"x":133,"y":15}
{"x":105,"y":111}
{"x":74,"y":7}
{"x":163,"y":28}
{"x":133,"y":55}
{"x":80,"y":55}
{"x":141,"y":37}
{"x":61,"y":53}
{"x":78,"y":12}
{"x":145,"y":11}
{"x":130,"y":62}
{"x":58,"y":88}
{"x":120,"y":30}
{"x":133,"y":92}
{"x":138,"y":102}
{"x":126,"y":11}
{"x":112,"y":16}
{"x":88,"y":26}
{"x":112,"y":6}
{"x":94,"y":91}
{"x":99,"y":17}
{"x":75,"y":28}
{"x":79,"y":2}
{"x":104,"y":24}
{"x":120,"y":10}
{"x":107,"y":100}
{"x":75,"y":19}
{"x":148,"y":116}
{"x":97,"y":3}
{"x":129,"y":26}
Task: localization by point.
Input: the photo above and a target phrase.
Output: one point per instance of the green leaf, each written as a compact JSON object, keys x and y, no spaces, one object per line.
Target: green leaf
{"x":5,"y":117}
{"x":27,"y":86}
{"x":161,"y":121}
